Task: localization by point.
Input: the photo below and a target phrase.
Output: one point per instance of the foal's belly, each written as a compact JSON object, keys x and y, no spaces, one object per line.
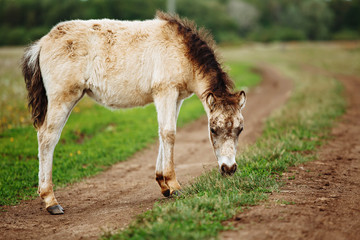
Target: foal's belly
{"x":118,"y":96}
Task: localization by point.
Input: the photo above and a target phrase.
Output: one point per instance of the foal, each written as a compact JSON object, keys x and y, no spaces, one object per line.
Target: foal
{"x":123,"y":64}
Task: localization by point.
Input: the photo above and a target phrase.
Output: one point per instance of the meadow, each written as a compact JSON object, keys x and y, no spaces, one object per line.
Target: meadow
{"x":93,"y":139}
{"x":291,"y":136}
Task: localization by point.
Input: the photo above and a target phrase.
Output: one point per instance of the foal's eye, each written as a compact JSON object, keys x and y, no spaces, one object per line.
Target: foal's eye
{"x":212,"y":130}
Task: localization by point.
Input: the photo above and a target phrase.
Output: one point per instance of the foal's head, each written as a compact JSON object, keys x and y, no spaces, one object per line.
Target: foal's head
{"x":225,"y":125}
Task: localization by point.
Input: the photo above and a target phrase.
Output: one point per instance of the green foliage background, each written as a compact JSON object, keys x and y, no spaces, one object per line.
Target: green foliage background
{"x":23,"y":21}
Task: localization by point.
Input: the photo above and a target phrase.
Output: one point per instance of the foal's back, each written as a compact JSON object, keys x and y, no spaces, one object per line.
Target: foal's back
{"x":118,"y":63}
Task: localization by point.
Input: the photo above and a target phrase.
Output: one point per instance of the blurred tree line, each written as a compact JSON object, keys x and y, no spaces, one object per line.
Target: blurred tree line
{"x":22,"y":21}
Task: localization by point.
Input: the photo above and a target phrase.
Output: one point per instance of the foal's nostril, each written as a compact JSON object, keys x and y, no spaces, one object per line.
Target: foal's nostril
{"x":223,"y":168}
{"x":233,"y":168}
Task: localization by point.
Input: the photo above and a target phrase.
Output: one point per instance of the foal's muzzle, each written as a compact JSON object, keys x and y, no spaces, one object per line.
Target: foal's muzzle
{"x":225,"y":170}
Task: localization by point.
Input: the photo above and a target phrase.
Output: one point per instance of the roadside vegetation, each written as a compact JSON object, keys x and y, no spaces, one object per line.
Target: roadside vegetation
{"x":93,"y":139}
{"x":291,"y":136}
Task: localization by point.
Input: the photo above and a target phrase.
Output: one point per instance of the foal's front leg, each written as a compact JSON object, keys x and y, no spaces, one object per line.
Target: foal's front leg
{"x":166,"y":106}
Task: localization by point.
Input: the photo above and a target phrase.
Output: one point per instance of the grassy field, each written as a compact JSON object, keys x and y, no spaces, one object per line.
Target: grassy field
{"x":93,"y":139}
{"x":291,"y":136}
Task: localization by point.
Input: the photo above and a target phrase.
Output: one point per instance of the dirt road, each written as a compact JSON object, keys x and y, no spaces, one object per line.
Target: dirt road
{"x":323,"y":201}
{"x":111,"y":199}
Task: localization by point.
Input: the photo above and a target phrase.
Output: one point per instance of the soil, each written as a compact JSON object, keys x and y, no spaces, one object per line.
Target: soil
{"x":112,"y":199}
{"x":323,"y":200}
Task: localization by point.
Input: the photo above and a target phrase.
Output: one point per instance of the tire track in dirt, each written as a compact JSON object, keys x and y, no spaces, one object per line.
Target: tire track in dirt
{"x":113,"y":198}
{"x":326,"y":192}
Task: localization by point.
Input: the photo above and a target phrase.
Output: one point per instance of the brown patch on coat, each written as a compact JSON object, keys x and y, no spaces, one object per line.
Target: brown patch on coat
{"x":70,"y":45}
{"x":159,"y":177}
{"x":161,"y":181}
{"x":109,"y":36}
{"x":48,"y":195}
{"x":40,"y":138}
{"x":37,"y":98}
{"x":182,"y":87}
{"x":70,"y":48}
{"x":229,"y":126}
{"x":170,"y":176}
{"x":201,"y":52}
{"x":159,"y":89}
{"x":73,"y":93}
{"x":228,"y":103}
{"x":96,"y":27}
{"x":183,"y":90}
{"x":226,"y":128}
{"x":168,"y":136}
{"x":44,"y":192}
{"x":171,"y":181}
{"x":50,"y":128}
{"x":138,"y":37}
{"x":74,"y":49}
{"x":60,"y":30}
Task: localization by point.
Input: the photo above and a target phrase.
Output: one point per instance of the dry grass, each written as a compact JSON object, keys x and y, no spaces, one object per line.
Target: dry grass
{"x":12,"y":89}
{"x":342,"y":57}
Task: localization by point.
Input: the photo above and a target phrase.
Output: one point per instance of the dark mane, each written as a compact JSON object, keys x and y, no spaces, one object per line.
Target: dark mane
{"x":201,"y":51}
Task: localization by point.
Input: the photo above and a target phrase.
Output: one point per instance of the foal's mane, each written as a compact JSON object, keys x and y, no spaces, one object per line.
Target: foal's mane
{"x":201,"y":51}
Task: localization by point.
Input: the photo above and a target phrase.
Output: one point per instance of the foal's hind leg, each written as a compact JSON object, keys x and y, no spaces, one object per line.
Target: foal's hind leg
{"x":166,"y":106}
{"x":59,"y":109}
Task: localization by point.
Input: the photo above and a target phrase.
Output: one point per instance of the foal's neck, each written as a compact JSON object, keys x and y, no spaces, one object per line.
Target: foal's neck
{"x":201,"y":89}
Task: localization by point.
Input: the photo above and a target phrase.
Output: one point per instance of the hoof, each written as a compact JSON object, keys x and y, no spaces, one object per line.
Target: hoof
{"x":55,"y":210}
{"x":176,"y":193}
{"x":166,"y":193}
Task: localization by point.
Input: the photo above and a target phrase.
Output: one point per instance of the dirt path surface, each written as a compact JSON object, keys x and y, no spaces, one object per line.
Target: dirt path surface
{"x":323,"y":201}
{"x":111,"y":199}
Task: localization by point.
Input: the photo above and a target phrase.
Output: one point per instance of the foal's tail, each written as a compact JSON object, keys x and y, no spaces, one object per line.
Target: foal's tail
{"x":37,"y":99}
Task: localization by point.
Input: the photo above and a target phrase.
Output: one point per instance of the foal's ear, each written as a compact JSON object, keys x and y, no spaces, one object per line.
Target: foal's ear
{"x":242,"y":99}
{"x":210,"y":100}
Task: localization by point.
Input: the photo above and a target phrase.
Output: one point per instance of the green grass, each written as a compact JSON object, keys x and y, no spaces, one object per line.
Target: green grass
{"x":12,"y":90}
{"x":239,"y":71}
{"x":93,"y":139}
{"x":291,"y":136}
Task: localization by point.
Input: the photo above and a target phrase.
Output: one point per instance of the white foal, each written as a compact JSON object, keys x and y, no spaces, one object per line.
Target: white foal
{"x":124,"y":64}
